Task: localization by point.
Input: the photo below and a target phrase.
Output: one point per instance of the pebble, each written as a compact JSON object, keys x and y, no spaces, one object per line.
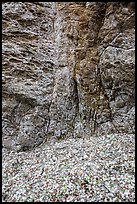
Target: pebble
{"x":89,"y":170}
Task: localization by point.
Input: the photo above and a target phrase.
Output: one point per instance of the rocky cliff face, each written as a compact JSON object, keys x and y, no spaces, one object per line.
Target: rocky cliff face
{"x":68,"y":70}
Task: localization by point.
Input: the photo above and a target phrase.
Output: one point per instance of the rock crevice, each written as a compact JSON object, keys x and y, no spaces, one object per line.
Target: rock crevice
{"x":68,"y":70}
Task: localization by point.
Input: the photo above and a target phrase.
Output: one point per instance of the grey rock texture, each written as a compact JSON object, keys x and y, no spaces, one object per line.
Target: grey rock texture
{"x":68,"y":70}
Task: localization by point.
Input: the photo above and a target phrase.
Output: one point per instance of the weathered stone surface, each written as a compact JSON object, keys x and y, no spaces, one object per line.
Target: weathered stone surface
{"x":68,"y":70}
{"x":28,"y":64}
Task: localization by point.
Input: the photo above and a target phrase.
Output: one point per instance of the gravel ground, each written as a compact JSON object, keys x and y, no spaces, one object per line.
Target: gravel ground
{"x":92,"y":169}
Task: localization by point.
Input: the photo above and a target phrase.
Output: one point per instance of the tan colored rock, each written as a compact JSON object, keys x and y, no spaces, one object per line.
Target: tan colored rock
{"x":68,"y":70}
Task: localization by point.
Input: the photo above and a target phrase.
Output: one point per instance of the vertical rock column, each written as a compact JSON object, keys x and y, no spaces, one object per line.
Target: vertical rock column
{"x":87,"y":72}
{"x":63,"y":108}
{"x":117,"y":67}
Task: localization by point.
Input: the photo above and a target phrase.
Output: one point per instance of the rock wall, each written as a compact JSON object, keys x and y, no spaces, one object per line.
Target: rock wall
{"x":68,"y":70}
